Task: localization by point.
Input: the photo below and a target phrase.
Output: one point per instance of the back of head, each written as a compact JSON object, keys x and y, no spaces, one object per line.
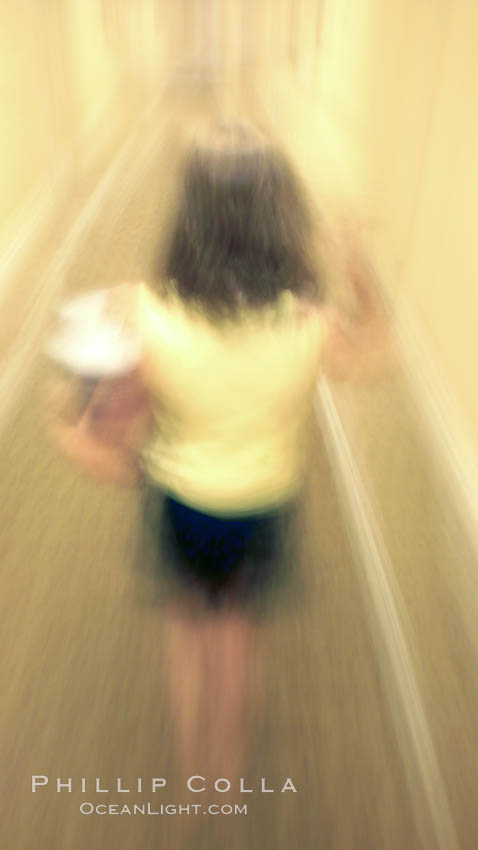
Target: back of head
{"x":243,"y":228}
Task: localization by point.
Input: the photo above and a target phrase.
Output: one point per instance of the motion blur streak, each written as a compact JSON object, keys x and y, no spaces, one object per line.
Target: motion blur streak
{"x":371,"y":695}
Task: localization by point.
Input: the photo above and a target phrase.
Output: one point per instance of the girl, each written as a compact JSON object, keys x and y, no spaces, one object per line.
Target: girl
{"x":234,"y":333}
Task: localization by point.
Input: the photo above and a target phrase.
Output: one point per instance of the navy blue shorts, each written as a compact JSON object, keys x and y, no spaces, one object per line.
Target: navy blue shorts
{"x":222,"y":559}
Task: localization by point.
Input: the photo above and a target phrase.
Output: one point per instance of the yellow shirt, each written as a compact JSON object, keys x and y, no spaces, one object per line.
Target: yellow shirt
{"x":232,"y":401}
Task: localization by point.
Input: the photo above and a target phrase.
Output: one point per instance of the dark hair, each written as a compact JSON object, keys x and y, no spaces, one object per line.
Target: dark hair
{"x":243,"y":230}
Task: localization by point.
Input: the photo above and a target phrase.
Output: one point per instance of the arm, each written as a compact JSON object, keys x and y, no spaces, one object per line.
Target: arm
{"x":357,"y":347}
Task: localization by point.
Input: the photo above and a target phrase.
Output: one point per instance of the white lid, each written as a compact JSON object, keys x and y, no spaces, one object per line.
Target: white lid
{"x":88,"y":342}
{"x":101,"y":350}
{"x":87,"y":307}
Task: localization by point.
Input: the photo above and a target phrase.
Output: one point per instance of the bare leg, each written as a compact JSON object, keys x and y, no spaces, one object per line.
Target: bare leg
{"x":216,"y":686}
{"x":185,"y":637}
{"x":233,"y":643}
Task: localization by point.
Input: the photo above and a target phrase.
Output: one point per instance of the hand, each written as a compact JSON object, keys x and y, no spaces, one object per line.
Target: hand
{"x":101,"y":452}
{"x":363,"y":278}
{"x":106,"y":463}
